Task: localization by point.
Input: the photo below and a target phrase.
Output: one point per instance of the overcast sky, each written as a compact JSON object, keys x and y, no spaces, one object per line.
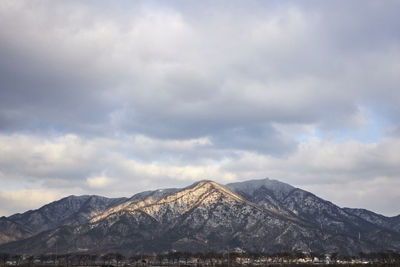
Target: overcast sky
{"x":118,"y":97}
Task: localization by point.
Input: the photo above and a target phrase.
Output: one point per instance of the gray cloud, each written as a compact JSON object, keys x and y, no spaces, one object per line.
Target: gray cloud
{"x":156,"y":92}
{"x":162,"y":69}
{"x":111,"y":167}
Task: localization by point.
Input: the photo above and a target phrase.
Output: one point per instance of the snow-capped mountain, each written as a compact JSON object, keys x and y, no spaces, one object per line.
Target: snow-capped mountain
{"x":259,"y":215}
{"x":266,"y":193}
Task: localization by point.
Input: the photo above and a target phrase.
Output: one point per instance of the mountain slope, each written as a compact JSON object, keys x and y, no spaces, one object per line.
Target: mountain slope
{"x":11,"y":231}
{"x":266,"y":193}
{"x":259,"y":216}
{"x":300,"y":204}
{"x":202,"y":217}
{"x":309,"y":208}
{"x":72,"y":210}
{"x":391,"y":223}
{"x":395,"y":223}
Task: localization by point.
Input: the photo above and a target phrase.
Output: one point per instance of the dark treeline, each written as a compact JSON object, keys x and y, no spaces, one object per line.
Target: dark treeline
{"x":386,"y":258}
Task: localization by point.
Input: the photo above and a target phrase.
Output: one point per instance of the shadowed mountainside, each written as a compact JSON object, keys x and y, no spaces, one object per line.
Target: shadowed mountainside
{"x":258,"y":215}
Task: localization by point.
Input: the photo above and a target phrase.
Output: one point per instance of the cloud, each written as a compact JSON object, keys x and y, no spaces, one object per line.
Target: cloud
{"x":136,"y":96}
{"x":323,"y":162}
{"x":378,"y":194}
{"x":161,"y":73}
{"x":13,"y":201}
{"x":67,"y":164}
{"x":349,"y":174}
{"x":65,"y":156}
{"x":70,"y":161}
{"x":98,"y":181}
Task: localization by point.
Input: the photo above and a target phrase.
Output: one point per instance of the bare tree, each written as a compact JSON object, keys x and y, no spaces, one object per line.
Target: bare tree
{"x":118,"y":258}
{"x":134,"y":259}
{"x":17,"y":258}
{"x":93,"y":258}
{"x":104,"y":258}
{"x":68,"y":259}
{"x":42,"y":258}
{"x":4,"y":258}
{"x":30,"y":260}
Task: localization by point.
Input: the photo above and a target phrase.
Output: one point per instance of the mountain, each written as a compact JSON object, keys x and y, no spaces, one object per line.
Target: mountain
{"x":254,"y":216}
{"x":309,"y":208}
{"x":391,"y":223}
{"x":11,"y":231}
{"x":204,"y":216}
{"x":72,"y":210}
{"x":301,"y":204}
{"x":266,"y":193}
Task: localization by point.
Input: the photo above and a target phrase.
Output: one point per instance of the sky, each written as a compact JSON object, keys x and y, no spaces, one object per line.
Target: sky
{"x":117,"y":97}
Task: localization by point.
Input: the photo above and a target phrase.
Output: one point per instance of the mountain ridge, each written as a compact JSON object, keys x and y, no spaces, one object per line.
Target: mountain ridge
{"x":257,"y":215}
{"x":69,"y":210}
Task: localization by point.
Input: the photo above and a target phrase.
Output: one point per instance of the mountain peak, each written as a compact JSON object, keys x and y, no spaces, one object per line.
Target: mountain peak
{"x":201,"y":193}
{"x":209,"y":185}
{"x":258,"y":215}
{"x":279,"y":189}
{"x":201,"y":183}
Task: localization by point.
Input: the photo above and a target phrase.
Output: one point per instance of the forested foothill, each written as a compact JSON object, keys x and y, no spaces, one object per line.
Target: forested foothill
{"x":115,"y":259}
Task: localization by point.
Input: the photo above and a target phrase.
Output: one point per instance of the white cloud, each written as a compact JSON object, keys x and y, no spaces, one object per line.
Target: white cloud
{"x":159,"y":94}
{"x":318,"y":165}
{"x":12,"y":201}
{"x":98,"y":181}
{"x":379,"y":194}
